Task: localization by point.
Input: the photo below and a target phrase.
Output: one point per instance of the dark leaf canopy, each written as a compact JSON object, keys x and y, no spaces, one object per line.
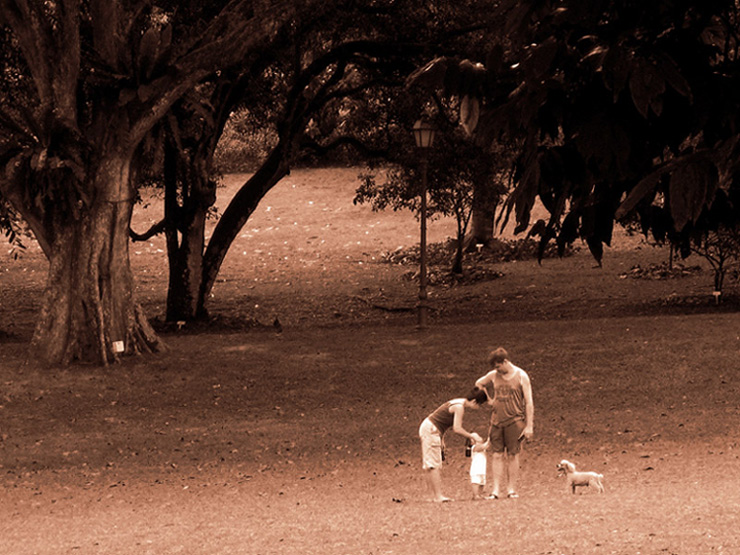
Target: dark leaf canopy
{"x":625,"y":110}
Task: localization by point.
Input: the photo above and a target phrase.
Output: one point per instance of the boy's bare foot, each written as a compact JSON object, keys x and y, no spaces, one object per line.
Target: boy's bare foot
{"x":442,"y":500}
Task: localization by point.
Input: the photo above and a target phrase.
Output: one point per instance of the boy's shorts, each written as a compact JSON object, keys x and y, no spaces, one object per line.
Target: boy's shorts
{"x":478,"y":465}
{"x":431,"y":445}
{"x":507,"y":437}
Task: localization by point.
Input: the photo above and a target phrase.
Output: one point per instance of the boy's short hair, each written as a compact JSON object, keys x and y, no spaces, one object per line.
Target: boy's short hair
{"x":497,"y":356}
{"x":478,"y":396}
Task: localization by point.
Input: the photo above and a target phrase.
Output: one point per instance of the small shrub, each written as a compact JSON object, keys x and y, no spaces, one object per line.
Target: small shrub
{"x":663,"y":270}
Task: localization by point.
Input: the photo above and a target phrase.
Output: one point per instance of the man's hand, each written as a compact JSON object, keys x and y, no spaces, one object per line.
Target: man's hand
{"x":527,"y":434}
{"x":476,"y":438}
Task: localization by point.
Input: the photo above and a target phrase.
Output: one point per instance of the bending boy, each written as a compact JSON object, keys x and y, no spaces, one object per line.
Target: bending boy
{"x":432,"y":431}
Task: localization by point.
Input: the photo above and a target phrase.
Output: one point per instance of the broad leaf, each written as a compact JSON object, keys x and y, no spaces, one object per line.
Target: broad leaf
{"x":643,"y":188}
{"x":672,"y":75}
{"x":616,"y":68}
{"x":568,"y":230}
{"x":692,"y":187}
{"x":596,"y":247}
{"x":148,"y":50}
{"x":646,"y":86}
{"x":469,"y":113}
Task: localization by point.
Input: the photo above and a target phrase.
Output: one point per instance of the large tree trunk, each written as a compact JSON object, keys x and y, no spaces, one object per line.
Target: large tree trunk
{"x":88,"y":311}
{"x":484,"y":212}
{"x":482,"y":228}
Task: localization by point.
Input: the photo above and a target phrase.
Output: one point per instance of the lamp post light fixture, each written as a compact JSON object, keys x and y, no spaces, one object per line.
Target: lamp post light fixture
{"x":424,"y":132}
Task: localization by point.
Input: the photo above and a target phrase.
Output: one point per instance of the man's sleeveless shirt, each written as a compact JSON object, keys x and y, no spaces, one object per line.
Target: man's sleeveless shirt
{"x":508,"y":400}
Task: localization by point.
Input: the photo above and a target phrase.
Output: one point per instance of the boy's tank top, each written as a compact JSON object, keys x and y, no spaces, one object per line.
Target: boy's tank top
{"x":442,"y":418}
{"x":508,"y":400}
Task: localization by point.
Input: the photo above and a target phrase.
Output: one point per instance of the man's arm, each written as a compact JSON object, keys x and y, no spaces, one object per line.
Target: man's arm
{"x":483,"y":381}
{"x":528,"y":407}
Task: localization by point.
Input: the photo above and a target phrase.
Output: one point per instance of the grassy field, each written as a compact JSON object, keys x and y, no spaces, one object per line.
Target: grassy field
{"x":240,"y":440}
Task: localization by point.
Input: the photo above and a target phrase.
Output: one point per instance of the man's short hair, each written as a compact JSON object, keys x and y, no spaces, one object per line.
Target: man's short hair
{"x":497,"y":356}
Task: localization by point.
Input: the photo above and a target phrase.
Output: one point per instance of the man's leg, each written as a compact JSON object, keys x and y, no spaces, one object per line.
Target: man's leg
{"x":513,"y":443}
{"x":499,"y":472}
{"x":512,"y":464}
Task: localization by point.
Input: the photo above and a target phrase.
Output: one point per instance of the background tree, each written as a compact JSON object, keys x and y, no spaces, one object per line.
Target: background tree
{"x":13,"y":227}
{"x":95,"y":78}
{"x":457,"y":167}
{"x":721,"y":248}
{"x":326,"y":83}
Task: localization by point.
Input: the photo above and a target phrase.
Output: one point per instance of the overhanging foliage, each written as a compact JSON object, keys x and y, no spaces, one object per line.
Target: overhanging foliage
{"x":616,"y":103}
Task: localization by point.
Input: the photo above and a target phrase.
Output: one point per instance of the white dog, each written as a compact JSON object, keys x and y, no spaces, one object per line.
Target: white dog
{"x":576,"y":478}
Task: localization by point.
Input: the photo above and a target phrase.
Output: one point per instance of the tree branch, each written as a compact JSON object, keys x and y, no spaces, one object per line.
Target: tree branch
{"x":345,"y":140}
{"x":156,"y":229}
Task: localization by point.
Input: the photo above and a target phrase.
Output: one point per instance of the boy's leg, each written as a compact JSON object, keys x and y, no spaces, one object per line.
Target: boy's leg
{"x":431,"y":454}
{"x":434,"y":477}
{"x":478,"y":481}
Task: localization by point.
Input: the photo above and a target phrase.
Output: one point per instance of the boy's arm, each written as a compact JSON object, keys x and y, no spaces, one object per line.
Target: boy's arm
{"x":457,"y":424}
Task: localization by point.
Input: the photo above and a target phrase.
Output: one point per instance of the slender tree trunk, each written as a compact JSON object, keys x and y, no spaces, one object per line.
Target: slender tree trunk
{"x":186,"y":264}
{"x":185,"y":234}
{"x":88,"y":312}
{"x":235,"y":216}
{"x":457,"y":263}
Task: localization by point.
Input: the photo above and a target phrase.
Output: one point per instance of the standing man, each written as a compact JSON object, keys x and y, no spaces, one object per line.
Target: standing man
{"x":512,"y":419}
{"x":432,"y":430}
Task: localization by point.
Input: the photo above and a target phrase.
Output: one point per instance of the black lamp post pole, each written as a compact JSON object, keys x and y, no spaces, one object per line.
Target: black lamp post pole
{"x":422,"y":307}
{"x":424,"y":132}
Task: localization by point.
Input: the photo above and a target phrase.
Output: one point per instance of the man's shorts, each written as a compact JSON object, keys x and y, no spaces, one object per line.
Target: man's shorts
{"x":507,"y":437}
{"x":431,"y":445}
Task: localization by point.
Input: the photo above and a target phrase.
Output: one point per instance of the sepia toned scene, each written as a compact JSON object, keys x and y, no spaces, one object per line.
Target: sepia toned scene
{"x":369,"y":277}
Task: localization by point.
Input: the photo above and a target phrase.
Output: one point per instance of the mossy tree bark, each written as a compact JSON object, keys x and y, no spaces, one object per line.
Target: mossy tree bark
{"x":89,"y":312}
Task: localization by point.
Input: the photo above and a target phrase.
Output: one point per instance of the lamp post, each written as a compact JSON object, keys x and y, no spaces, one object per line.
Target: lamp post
{"x":424,"y":137}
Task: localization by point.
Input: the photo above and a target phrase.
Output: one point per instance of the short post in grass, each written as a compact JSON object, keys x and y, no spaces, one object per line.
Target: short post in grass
{"x":424,"y":131}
